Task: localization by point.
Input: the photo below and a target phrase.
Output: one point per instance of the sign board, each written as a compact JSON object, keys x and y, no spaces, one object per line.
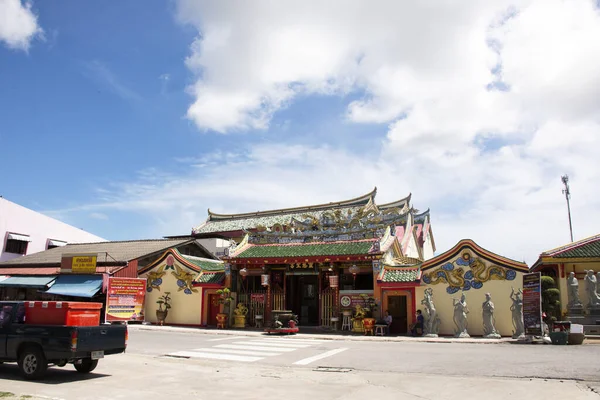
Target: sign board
{"x":351,"y":298}
{"x":125,"y":299}
{"x":532,"y":304}
{"x":257,"y":297}
{"x":78,"y":263}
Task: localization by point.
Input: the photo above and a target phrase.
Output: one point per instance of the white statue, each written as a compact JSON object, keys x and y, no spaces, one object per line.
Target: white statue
{"x":432,"y":321}
{"x":460,"y":316}
{"x":489,"y":328}
{"x":590,"y":289}
{"x":517,"y":313}
{"x":573,"y":291}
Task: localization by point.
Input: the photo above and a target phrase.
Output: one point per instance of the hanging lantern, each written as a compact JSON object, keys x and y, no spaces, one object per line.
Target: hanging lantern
{"x":334,"y":281}
{"x":243,"y":272}
{"x":354,"y":270}
{"x":264,"y":279}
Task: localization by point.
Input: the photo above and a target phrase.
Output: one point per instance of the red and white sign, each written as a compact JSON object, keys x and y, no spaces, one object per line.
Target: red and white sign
{"x":125,"y":299}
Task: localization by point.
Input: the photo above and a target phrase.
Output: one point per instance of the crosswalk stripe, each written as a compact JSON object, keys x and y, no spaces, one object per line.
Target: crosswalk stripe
{"x":267,"y":343}
{"x":215,"y":356}
{"x":241,"y":352}
{"x":330,"y":353}
{"x":227,"y":338}
{"x":254,"y":348}
{"x":315,"y":341}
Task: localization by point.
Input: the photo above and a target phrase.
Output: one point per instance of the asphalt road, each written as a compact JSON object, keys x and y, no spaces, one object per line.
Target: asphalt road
{"x":167,"y":364}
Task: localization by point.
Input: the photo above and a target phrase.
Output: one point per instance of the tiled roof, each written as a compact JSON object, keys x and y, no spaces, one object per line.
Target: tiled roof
{"x":401,"y":275}
{"x":217,"y":278}
{"x":108,"y":252}
{"x":204,"y":263}
{"x":307,"y":249}
{"x":12,"y":271}
{"x":586,"y":248}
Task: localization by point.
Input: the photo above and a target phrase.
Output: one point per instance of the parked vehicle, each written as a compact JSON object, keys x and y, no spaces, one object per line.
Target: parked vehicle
{"x":35,"y":347}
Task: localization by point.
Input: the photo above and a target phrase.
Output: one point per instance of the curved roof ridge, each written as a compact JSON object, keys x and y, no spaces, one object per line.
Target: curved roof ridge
{"x":423,"y":214}
{"x":571,"y":245}
{"x":361,"y":200}
{"x":396,"y":203}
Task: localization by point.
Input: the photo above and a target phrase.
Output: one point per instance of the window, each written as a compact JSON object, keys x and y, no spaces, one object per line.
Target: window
{"x":16,"y":246}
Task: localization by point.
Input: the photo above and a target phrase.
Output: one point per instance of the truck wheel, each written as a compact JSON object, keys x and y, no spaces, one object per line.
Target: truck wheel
{"x":33,"y":363}
{"x":87,"y":365}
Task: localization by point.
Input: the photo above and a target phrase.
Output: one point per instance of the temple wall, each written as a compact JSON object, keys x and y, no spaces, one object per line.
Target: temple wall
{"x":186,"y":307}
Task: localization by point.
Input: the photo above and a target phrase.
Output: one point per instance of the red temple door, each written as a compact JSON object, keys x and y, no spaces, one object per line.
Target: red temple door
{"x":213,"y":309}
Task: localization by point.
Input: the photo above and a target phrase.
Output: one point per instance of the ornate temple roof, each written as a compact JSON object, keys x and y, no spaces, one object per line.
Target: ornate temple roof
{"x":277,"y":219}
{"x":358,"y":247}
{"x":585,"y":248}
{"x":400,"y":275}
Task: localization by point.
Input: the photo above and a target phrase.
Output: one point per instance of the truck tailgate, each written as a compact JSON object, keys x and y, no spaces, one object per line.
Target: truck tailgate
{"x":110,"y":338}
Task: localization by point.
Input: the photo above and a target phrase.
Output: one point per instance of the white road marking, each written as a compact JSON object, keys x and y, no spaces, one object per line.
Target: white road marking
{"x":269,"y":343}
{"x":215,"y":356}
{"x":227,"y":338}
{"x":242,"y":352}
{"x":330,"y":353}
{"x":253,"y":348}
{"x":284,"y":339}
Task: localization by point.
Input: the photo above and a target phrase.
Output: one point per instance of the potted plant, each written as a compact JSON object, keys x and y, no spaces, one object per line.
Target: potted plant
{"x":164,"y":304}
{"x":370,"y":307}
{"x":239,"y":317}
{"x":224,"y":300}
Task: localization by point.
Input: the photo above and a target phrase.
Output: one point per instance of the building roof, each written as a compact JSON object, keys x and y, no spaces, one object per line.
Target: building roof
{"x":585,"y":248}
{"x":204,"y":263}
{"x":109,"y":253}
{"x":400,"y":275}
{"x":210,"y":278}
{"x":26,"y":270}
{"x":246,"y":221}
{"x":357,"y":247}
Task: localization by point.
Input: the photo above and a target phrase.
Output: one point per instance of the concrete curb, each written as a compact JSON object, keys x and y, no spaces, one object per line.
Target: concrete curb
{"x":323,"y":336}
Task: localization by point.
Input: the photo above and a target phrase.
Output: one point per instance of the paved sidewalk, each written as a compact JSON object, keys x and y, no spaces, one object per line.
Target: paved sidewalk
{"x":322,"y":336}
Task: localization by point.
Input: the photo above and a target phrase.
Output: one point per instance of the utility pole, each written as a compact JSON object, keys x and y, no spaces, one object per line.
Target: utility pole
{"x":567,"y":193}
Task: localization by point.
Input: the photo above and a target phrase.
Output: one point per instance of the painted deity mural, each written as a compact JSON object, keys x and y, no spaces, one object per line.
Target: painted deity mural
{"x":184,"y":279}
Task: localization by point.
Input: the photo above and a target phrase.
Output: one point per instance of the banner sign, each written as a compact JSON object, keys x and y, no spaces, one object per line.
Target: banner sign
{"x":125,"y":299}
{"x":532,"y":304}
{"x":351,"y":300}
{"x":78,"y":263}
{"x":257,"y":297}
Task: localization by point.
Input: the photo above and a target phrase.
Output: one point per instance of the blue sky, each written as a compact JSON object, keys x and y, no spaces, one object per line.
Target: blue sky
{"x":131,"y":121}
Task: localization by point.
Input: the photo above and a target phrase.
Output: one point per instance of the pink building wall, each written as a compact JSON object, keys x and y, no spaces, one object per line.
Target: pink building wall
{"x":39,"y":228}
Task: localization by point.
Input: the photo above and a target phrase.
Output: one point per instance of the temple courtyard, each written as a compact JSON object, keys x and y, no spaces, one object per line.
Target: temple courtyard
{"x":212,"y":364}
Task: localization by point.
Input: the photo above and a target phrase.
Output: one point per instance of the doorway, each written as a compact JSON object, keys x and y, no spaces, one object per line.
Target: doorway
{"x":213,"y":309}
{"x":302,"y":297}
{"x":398,"y":310}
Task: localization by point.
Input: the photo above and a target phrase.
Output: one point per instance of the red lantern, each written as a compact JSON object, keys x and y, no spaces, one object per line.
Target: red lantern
{"x":243,"y":272}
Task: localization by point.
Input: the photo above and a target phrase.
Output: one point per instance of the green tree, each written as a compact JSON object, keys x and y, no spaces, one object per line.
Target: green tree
{"x":550,"y":299}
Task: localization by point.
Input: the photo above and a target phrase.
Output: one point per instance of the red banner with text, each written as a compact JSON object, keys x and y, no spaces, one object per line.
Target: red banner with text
{"x":125,"y":299}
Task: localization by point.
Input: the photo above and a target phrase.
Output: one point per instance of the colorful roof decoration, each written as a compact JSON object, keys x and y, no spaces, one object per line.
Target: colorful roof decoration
{"x":358,"y":247}
{"x":204,"y":263}
{"x":214,"y":278}
{"x":585,"y":248}
{"x":196,"y":264}
{"x":330,"y":216}
{"x":400,"y":275}
{"x":469,"y":245}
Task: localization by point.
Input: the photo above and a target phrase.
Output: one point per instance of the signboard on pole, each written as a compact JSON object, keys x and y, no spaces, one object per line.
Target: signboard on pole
{"x":125,"y":299}
{"x":78,"y":263}
{"x":532,"y":304}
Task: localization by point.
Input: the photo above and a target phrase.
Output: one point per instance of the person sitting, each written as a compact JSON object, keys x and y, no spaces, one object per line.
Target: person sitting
{"x":387,"y":318}
{"x":416,"y":329}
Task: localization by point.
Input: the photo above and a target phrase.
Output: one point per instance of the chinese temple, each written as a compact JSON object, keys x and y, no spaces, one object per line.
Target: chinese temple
{"x":320,"y":260}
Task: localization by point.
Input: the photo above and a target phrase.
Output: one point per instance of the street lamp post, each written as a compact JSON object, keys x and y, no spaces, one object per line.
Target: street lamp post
{"x":567,"y":193}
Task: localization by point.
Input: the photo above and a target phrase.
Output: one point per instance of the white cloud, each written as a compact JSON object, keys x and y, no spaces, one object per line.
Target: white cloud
{"x":18,"y":24}
{"x":487,"y":162}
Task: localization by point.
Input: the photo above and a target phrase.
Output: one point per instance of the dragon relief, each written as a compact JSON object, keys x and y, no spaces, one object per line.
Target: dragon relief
{"x":154,"y":279}
{"x":184,"y":280}
{"x":477,"y":274}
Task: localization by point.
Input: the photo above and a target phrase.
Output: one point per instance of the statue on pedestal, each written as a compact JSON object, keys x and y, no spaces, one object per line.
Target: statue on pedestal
{"x":590,"y":289}
{"x":432,"y":321}
{"x":573,"y":291}
{"x":517,"y":313}
{"x":460,"y":316}
{"x":489,"y":328}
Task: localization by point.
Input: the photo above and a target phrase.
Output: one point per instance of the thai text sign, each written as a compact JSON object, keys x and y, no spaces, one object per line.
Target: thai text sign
{"x":350,"y":299}
{"x":532,"y":304}
{"x":257,"y":297}
{"x":79,"y":263}
{"x":125,"y":299}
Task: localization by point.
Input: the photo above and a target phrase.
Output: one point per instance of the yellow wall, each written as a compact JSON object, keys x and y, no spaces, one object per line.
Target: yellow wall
{"x":499,"y":289}
{"x":579,"y":268}
{"x":185,"y":308}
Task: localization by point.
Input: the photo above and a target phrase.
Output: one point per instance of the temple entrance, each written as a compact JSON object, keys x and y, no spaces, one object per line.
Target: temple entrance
{"x":302,"y":297}
{"x":213,"y":309}
{"x":398,"y":311}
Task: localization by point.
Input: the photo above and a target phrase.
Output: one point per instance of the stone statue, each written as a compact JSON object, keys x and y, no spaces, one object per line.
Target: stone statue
{"x":432,"y":321}
{"x":590,"y":289}
{"x":489,"y":328}
{"x":460,"y":316}
{"x":517,"y":313}
{"x":573,"y":292}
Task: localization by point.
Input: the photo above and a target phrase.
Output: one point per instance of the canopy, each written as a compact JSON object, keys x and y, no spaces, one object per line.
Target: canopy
{"x":33,"y":282}
{"x":76,"y":285}
{"x":57,"y":243}
{"x":16,"y":236}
